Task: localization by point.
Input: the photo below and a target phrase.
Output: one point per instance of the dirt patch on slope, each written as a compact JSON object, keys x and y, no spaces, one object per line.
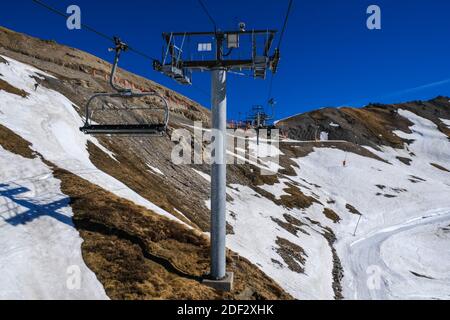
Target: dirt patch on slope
{"x":352,"y":209}
{"x":11,"y":142}
{"x":338,"y":271}
{"x":380,"y":122}
{"x":330,"y":214}
{"x":5,"y":86}
{"x":437,"y":166}
{"x":291,"y":224}
{"x":293,"y":255}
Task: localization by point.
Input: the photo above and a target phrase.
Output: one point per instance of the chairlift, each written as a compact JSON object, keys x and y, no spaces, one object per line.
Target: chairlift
{"x":258,"y":119}
{"x":235,"y":51}
{"x":111,"y":106}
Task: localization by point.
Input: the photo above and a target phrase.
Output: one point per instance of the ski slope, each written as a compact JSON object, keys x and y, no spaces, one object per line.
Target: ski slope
{"x":389,"y":196}
{"x":406,"y":261}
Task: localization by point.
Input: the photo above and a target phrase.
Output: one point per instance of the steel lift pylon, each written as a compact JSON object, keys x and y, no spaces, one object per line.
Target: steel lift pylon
{"x":218,"y":52}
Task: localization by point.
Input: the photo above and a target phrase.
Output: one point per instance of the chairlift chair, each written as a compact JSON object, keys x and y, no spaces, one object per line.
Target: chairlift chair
{"x":148,"y":129}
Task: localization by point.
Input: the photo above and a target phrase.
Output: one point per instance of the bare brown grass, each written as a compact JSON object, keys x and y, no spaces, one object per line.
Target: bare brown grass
{"x":437,"y":166}
{"x":380,"y":122}
{"x":330,"y":214}
{"x":155,"y":257}
{"x":11,"y":142}
{"x":293,"y":255}
{"x":5,"y":86}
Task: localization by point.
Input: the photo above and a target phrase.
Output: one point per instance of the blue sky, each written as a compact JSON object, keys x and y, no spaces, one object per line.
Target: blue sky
{"x":329,"y":57}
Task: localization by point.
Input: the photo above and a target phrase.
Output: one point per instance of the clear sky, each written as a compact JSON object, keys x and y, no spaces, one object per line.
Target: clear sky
{"x":329,"y":57}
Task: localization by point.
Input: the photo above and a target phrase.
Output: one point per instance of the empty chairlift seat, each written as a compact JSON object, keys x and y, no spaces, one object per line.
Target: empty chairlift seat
{"x":102,"y":107}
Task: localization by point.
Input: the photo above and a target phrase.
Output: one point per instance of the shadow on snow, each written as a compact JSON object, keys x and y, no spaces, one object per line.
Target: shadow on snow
{"x":35,"y":210}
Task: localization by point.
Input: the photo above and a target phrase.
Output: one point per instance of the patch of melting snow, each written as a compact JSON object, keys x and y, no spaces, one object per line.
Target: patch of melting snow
{"x":181,"y":214}
{"x":205,"y":176}
{"x":324,"y":136}
{"x":446,"y":122}
{"x":156,"y":170}
{"x":277,"y":189}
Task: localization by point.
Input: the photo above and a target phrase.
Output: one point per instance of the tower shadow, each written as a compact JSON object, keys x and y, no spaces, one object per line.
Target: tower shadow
{"x":35,"y":210}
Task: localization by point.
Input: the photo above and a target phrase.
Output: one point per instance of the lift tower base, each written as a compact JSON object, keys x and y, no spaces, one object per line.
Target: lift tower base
{"x":225,"y":284}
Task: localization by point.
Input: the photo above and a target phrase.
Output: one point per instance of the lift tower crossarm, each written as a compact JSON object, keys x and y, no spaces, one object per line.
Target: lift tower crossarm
{"x":177,"y":66}
{"x":256,"y":32}
{"x":211,"y":64}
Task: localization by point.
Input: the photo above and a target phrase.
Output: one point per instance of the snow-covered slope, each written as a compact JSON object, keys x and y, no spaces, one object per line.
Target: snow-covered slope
{"x":376,"y":199}
{"x":40,"y":252}
{"x":400,"y":204}
{"x":39,"y":242}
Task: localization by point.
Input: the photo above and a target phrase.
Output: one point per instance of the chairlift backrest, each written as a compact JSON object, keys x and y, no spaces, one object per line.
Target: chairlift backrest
{"x":153,"y":129}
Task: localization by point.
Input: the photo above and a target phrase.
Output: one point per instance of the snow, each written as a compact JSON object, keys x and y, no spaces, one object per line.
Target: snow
{"x":265,"y":148}
{"x":446,"y":122}
{"x":39,"y":244}
{"x":324,"y":136}
{"x":205,"y":176}
{"x":254,"y":237}
{"x":290,"y":117}
{"x":277,"y":189}
{"x":425,"y":252}
{"x":156,"y":170}
{"x":414,"y":246}
{"x":38,"y":257}
{"x":356,"y":183}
